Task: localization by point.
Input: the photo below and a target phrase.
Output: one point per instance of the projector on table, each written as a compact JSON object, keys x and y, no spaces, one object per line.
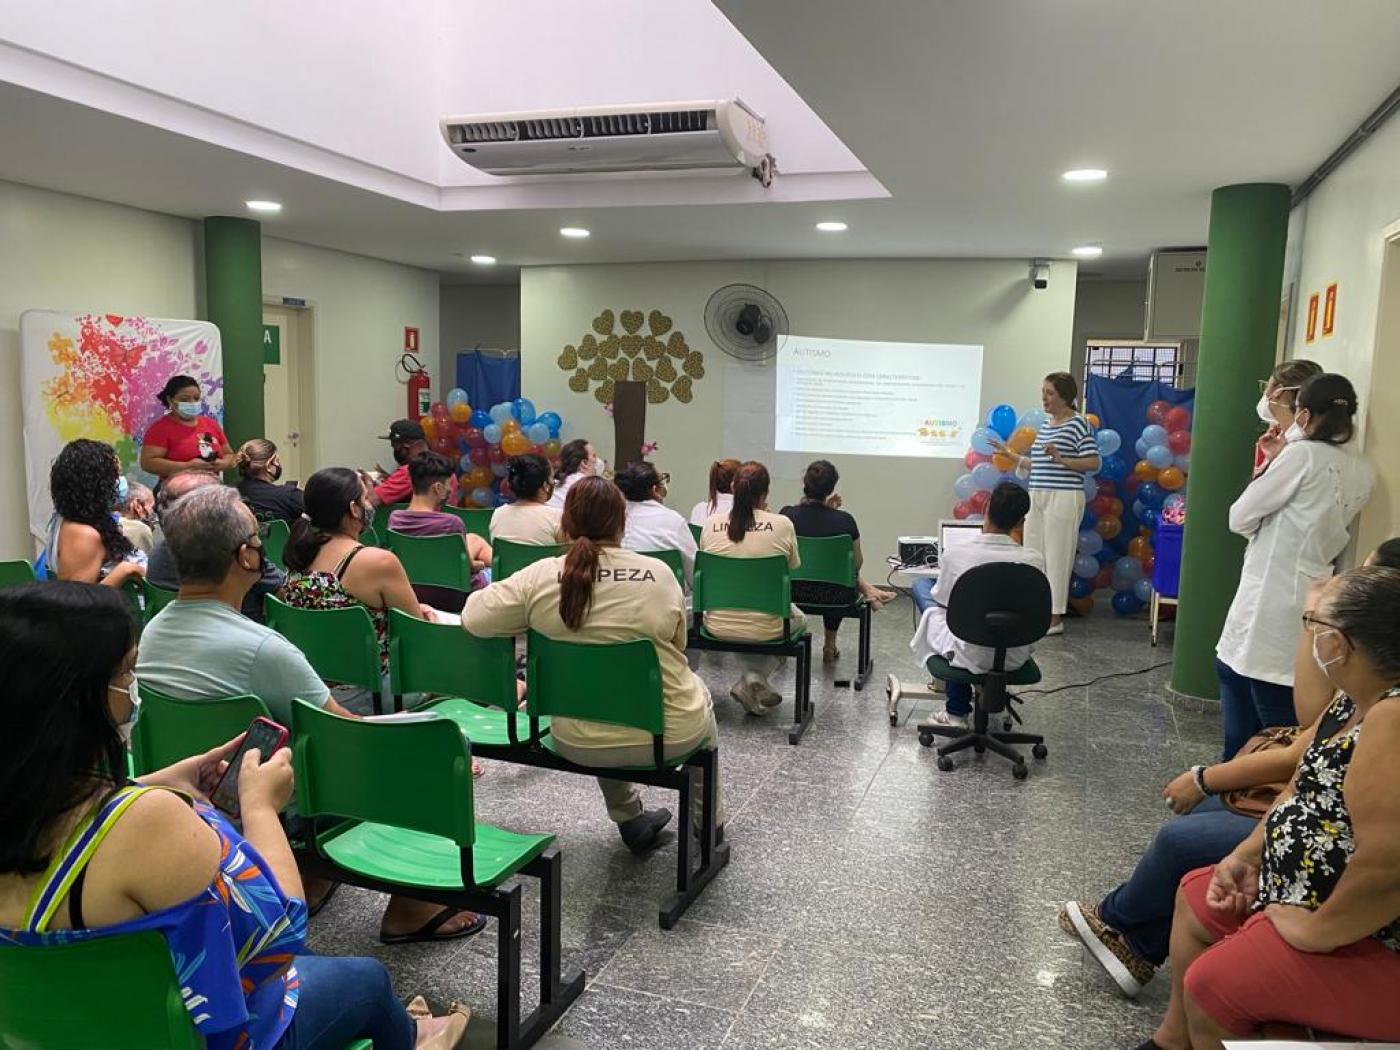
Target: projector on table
{"x":918,"y":550}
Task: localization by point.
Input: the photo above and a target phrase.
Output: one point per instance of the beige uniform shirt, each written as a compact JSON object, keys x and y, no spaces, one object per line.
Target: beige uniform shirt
{"x":527,"y":522}
{"x":770,"y":534}
{"x":633,"y":597}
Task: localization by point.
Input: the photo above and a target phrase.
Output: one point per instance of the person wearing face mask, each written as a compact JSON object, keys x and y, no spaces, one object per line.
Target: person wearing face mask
{"x":1300,"y":923}
{"x":407,"y":440}
{"x":87,"y":853}
{"x":85,"y":541}
{"x":577,"y":460}
{"x":1278,"y":397}
{"x":530,"y":517}
{"x":184,"y":438}
{"x":651,"y":525}
{"x":1295,"y":517}
{"x":259,"y":471}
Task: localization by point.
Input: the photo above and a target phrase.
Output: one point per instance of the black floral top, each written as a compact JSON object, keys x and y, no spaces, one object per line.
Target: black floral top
{"x":323,"y":590}
{"x":1309,"y":837}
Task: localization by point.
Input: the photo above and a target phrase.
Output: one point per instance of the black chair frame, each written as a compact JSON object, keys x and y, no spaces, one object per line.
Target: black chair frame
{"x":799,"y":648}
{"x":858,"y":610}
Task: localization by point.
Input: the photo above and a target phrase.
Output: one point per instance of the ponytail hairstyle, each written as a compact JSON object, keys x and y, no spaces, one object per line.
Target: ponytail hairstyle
{"x":1066,"y":387}
{"x":750,"y":489}
{"x":330,"y":493}
{"x":1331,"y":400}
{"x":595,"y":515}
{"x":571,"y":458}
{"x":722,"y":473}
{"x":254,"y":455}
{"x":173,"y":386}
{"x":527,"y":475}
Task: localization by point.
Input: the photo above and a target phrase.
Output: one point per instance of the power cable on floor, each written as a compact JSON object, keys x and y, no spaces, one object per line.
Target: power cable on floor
{"x":1095,"y":681}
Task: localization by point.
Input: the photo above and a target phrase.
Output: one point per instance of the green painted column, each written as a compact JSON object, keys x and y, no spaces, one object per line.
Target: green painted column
{"x":1239,"y":329}
{"x":233,"y":298}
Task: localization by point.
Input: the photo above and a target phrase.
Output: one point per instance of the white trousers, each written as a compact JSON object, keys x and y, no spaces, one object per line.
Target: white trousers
{"x":1052,"y":528}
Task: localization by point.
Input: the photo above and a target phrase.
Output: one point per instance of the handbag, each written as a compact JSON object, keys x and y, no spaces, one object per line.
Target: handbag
{"x":1255,"y":802}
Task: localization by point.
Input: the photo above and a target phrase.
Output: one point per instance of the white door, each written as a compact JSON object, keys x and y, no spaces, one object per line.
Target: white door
{"x":281,"y":422}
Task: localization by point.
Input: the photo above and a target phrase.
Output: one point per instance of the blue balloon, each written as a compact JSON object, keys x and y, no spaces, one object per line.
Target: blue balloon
{"x":1079,"y":587}
{"x":537,"y":432}
{"x":483,"y":497}
{"x":499,"y":500}
{"x":1151,"y":495}
{"x":1085,"y":566}
{"x":1159,"y":456}
{"x":1034,"y":418}
{"x":1142,"y":590}
{"x":1091,"y":487}
{"x":1128,"y":568}
{"x":1148,"y":519}
{"x":523,"y":409}
{"x":552,"y":421}
{"x":1125,"y":603}
{"x":1113,"y":468}
{"x":1139,"y":509}
{"x":1152,"y":434}
{"x":982,"y":441}
{"x":1182,"y":462}
{"x":964,"y":487}
{"x":465,"y":465}
{"x":1107,"y":556}
{"x":1090,"y":542}
{"x":501,"y":469}
{"x":985,"y":476}
{"x":480,"y":418}
{"x":1089,"y":520}
{"x":1002,"y":419}
{"x":500,"y":413}
{"x":1108,"y":441}
{"x":1140,"y":448}
{"x":456,"y":396}
{"x":1012,"y":478}
{"x":492,"y":433}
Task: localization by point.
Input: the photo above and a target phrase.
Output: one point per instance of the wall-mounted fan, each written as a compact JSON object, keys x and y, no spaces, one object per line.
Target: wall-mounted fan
{"x":745,"y":322}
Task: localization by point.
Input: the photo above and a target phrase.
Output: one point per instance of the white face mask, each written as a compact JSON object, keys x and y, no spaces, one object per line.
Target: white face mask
{"x":600,"y":467}
{"x":124,"y":726}
{"x":1294,"y":433}
{"x":1262,"y":409}
{"x":1322,"y":664}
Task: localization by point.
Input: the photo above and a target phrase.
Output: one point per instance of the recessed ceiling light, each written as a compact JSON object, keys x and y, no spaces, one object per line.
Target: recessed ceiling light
{"x":484,"y":260}
{"x":573,"y":231}
{"x":1087,"y":251}
{"x":1085,"y":175}
{"x":831,"y":227}
{"x":267,"y":206}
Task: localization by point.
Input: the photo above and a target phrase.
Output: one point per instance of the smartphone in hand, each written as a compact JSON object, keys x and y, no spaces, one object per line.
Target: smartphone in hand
{"x":265,"y":735}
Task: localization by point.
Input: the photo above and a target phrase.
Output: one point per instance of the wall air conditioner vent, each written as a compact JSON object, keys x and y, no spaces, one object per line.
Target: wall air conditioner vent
{"x":663,"y":137}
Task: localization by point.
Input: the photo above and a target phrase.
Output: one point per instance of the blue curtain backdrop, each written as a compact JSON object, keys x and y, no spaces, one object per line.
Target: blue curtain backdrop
{"x":488,"y":377}
{"x":1121,"y":405}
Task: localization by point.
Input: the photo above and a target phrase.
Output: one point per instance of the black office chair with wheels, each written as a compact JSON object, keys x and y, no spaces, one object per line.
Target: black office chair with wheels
{"x":1000,"y":605}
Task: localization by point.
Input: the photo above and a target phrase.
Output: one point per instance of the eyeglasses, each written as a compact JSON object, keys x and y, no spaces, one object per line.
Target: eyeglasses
{"x":1311,"y":620}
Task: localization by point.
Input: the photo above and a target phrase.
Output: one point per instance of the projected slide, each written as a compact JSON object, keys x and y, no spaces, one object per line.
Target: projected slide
{"x":877,"y":398}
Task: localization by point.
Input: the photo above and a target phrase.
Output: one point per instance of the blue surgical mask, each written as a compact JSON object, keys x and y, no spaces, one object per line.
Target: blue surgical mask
{"x":123,"y":490}
{"x":188,"y":409}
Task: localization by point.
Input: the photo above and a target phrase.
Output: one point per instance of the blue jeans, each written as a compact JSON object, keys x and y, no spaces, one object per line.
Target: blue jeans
{"x":1141,"y":908}
{"x":922,"y":591}
{"x":1249,"y":706}
{"x":959,"y":693}
{"x":343,"y":1000}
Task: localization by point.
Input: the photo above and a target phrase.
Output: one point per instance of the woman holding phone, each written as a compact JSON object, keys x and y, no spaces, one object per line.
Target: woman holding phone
{"x":76,"y":838}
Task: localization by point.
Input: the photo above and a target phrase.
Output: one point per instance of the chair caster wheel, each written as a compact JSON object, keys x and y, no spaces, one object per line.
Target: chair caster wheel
{"x":926,"y":740}
{"x":1019,"y":771}
{"x":1040,"y":751}
{"x":945,"y":763}
{"x":894,"y":720}
{"x":1006,"y":725}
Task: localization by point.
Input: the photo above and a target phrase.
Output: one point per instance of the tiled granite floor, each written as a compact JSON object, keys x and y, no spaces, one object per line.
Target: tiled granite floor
{"x":871,"y":901}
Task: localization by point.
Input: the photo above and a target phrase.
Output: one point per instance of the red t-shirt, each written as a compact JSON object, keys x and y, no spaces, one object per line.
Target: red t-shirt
{"x":397,"y":488}
{"x":205,"y":440}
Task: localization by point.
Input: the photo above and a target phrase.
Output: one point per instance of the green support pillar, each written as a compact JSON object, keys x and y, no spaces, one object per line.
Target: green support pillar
{"x":1239,"y":329}
{"x":233,"y":297}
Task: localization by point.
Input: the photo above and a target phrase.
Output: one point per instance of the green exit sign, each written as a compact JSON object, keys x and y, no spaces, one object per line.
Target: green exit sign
{"x":272,"y":344}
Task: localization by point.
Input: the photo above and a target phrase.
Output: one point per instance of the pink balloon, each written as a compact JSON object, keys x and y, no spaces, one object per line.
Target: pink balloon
{"x":962,"y":511}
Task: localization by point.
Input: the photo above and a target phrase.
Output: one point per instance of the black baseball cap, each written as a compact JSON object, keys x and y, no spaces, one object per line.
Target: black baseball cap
{"x":405,"y":430}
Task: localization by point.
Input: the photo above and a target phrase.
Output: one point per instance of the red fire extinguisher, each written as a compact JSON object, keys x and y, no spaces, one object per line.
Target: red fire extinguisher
{"x":420,"y":396}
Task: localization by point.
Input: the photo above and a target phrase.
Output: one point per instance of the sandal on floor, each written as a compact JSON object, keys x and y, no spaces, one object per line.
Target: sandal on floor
{"x":312,"y":910}
{"x":830,"y":656}
{"x":429,"y":930}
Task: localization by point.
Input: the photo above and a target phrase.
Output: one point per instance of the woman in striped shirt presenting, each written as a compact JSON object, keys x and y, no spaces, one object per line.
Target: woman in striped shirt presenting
{"x":1063,"y":453}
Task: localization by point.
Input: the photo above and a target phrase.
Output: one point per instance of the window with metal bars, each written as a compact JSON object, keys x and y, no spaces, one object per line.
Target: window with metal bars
{"x":1162,"y":362}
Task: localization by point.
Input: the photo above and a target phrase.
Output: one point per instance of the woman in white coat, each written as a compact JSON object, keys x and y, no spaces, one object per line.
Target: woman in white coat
{"x":1295,"y":516}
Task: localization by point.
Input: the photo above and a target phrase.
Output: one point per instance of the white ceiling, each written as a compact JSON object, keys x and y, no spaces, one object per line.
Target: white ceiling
{"x":965,"y":111}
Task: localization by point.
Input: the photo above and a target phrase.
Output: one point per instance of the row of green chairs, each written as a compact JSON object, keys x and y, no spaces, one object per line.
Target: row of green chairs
{"x":476,"y":519}
{"x":15,"y":573}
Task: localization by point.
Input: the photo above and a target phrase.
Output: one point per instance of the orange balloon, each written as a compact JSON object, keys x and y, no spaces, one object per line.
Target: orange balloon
{"x":1002,"y":461}
{"x":514,"y":443}
{"x":1109,"y":528}
{"x":479,"y":477}
{"x":510,"y":426}
{"x":1171,"y":479}
{"x":1093,"y":420}
{"x":1115,"y":508}
{"x":1138,"y":546}
{"x":461,"y":412}
{"x":1022,"y":438}
{"x":1083,"y":606}
{"x":1145,"y":470}
{"x":426,"y":422}
{"x":551,"y":448}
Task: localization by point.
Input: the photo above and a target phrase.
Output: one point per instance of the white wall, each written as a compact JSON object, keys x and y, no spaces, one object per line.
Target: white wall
{"x":471,"y":316}
{"x":67,"y":253}
{"x":1026,"y":334}
{"x":1106,"y":310}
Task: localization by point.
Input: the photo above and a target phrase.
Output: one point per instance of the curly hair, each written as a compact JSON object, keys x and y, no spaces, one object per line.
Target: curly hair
{"x":82,"y":484}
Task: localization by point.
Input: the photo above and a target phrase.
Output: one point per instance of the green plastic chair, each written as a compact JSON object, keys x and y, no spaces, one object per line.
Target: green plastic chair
{"x":403,"y":793}
{"x":14,"y":573}
{"x":131,"y":996}
{"x":274,"y":540}
{"x":672,"y":558}
{"x":474,"y":676}
{"x":379,"y":537}
{"x":509,"y":558}
{"x":168,"y":730}
{"x":476,"y":519}
{"x":340,"y":644}
{"x":439,"y":561}
{"x":154,"y":599}
{"x":832,"y":560}
{"x":695,"y":530}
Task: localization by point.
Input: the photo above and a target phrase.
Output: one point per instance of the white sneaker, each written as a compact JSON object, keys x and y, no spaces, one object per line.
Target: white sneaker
{"x":746,"y":692}
{"x":1055,"y":628}
{"x":943,"y":718}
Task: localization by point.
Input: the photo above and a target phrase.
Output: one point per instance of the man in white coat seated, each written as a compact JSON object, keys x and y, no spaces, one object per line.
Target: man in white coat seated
{"x":1007,"y":510}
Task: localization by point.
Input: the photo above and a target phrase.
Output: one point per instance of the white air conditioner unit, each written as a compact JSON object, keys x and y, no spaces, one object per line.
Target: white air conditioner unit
{"x":664,"y":136}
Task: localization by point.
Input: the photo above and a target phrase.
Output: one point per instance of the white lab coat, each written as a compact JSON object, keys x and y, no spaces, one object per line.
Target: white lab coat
{"x":561,"y":490}
{"x":1295,"y":517}
{"x":653,"y":526}
{"x":932,"y":637}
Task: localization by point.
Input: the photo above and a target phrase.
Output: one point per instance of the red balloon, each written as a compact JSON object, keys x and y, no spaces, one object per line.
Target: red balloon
{"x":444,"y":445}
{"x":1157,"y":411}
{"x":480,"y":456}
{"x":497,"y":455}
{"x":1179,"y":441}
{"x":974,"y":457}
{"x":1115,"y":508}
{"x":1131,"y":484}
{"x":439,"y":412}
{"x":1107,"y":488}
{"x":979,"y":500}
{"x":1148,"y":561}
{"x":962,"y":511}
{"x":1177,"y":419}
{"x":1101,"y":506}
{"x":1103,"y":579}
{"x":538,"y":450}
{"x":474,"y":437}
